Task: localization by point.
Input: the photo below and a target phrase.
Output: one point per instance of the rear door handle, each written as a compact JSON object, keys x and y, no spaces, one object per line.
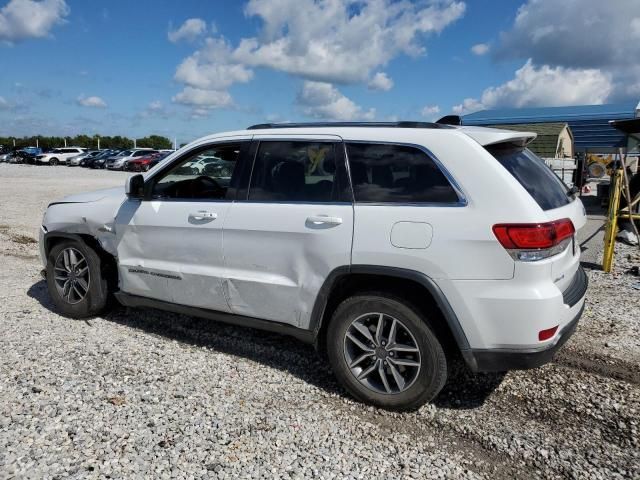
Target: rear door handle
{"x":203,"y":215}
{"x":324,"y":220}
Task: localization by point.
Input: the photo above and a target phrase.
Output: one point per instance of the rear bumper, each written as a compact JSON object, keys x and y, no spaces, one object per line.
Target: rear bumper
{"x":499,"y":360}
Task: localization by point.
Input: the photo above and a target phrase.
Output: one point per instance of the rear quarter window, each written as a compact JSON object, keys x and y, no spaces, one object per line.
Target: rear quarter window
{"x":388,"y":173}
{"x":533,"y":174}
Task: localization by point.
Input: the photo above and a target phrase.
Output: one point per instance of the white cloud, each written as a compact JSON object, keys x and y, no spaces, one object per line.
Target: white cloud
{"x":380,"y":81}
{"x":430,"y":111}
{"x":635,"y":26}
{"x":335,"y":41}
{"x":584,"y":33}
{"x":212,"y":68}
{"x":155,"y":106}
{"x":543,"y":86}
{"x":323,"y":100}
{"x":190,"y":30}
{"x":480,"y":49}
{"x":198,"y":113}
{"x":203,"y":98}
{"x":23,"y":19}
{"x":3,"y":104}
{"x":92,"y":101}
{"x":579,"y":34}
{"x":341,"y":41}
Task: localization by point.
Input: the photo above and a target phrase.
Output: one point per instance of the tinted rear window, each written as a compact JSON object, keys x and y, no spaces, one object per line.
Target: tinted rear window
{"x":534,"y":175}
{"x":396,"y":174}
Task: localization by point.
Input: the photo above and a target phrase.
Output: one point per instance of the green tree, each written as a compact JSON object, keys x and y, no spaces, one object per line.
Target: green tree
{"x":154,"y":141}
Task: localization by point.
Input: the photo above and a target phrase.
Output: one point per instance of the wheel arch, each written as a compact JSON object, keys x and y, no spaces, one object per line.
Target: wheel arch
{"x":109,"y":262}
{"x":415,"y":286}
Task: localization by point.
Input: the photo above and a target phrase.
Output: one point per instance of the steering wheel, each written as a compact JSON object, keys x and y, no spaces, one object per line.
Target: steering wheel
{"x":204,"y":186}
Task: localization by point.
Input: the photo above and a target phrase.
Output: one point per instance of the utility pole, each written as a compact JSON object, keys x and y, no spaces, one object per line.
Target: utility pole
{"x":98,"y":143}
{"x":65,"y":141}
{"x":175,"y":143}
{"x":134,"y":143}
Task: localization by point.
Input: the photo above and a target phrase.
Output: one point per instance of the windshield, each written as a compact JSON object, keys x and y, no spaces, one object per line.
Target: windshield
{"x":533,"y":174}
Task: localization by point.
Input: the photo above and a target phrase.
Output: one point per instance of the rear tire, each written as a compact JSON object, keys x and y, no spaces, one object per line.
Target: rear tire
{"x":75,"y":292}
{"x":53,"y":162}
{"x":403,"y":377}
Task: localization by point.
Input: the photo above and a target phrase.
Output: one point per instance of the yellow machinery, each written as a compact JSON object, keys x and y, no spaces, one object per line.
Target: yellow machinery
{"x":617,"y":182}
{"x":598,"y":165}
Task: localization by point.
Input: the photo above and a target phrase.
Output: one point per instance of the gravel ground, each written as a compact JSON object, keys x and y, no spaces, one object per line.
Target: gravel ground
{"x":151,"y":394}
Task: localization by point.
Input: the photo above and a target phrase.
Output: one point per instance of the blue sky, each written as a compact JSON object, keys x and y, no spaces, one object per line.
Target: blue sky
{"x":136,"y":68}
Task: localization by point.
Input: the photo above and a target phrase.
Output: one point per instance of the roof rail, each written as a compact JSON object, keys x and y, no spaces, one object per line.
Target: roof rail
{"x":402,"y":124}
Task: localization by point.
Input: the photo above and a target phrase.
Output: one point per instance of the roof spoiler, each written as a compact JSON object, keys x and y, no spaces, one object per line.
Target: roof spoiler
{"x":450,"y":120}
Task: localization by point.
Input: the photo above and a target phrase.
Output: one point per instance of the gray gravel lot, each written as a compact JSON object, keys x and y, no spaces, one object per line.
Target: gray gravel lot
{"x":151,"y":394}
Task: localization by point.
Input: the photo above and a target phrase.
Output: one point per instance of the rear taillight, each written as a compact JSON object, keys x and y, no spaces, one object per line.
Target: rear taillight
{"x":529,"y":242}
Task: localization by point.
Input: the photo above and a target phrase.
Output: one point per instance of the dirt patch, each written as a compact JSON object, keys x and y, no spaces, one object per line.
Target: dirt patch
{"x":599,"y":364}
{"x":22,"y":239}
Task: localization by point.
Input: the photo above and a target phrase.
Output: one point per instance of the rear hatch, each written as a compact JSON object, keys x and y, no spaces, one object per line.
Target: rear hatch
{"x":554,"y":198}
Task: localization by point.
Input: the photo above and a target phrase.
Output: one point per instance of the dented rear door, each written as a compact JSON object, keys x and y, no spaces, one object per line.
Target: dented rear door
{"x":293,"y":227}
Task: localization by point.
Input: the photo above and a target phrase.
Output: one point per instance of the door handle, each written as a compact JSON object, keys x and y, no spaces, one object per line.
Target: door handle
{"x":203,"y":215}
{"x":324,"y":220}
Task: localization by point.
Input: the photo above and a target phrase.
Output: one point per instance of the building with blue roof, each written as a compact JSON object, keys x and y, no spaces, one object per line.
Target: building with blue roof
{"x":589,"y":124}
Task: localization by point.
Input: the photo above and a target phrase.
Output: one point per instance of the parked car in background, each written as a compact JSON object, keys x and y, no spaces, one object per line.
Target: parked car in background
{"x":28,"y":154}
{"x":59,"y":155}
{"x":160,"y":158}
{"x":75,"y":161}
{"x":102,"y":161}
{"x":146,"y":162}
{"x":119,"y":162}
{"x":88,"y":162}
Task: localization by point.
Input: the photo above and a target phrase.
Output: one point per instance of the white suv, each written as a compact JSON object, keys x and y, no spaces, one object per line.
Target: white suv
{"x":59,"y":155}
{"x":395,"y":248}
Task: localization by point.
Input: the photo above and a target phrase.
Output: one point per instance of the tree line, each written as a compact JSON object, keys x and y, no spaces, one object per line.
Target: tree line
{"x":86,"y":141}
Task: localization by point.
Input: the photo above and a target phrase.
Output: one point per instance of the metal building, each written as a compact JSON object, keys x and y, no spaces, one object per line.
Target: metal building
{"x":592,"y":132}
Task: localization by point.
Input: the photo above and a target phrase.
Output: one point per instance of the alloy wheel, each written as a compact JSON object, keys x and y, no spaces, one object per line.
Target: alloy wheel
{"x":381,"y":353}
{"x":72,"y":277}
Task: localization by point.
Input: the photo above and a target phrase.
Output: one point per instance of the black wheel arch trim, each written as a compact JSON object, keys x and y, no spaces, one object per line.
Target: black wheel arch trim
{"x":77,"y":236}
{"x":427,"y":282}
{"x":51,"y":235}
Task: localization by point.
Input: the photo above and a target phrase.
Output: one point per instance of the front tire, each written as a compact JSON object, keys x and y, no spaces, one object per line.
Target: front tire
{"x":384,"y":353}
{"x":53,"y":162}
{"x":75,"y":280}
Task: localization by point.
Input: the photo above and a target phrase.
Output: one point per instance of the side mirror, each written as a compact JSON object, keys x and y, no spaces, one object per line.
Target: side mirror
{"x":134,"y":186}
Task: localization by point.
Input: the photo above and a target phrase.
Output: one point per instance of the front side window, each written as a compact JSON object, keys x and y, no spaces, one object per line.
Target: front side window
{"x":298,"y":171}
{"x":205,"y":174}
{"x":396,"y":174}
